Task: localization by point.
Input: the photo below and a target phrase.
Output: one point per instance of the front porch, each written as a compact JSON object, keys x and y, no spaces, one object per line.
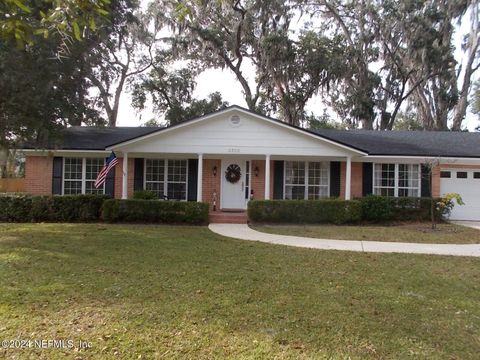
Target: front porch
{"x":233,"y":156}
{"x":206,"y":178}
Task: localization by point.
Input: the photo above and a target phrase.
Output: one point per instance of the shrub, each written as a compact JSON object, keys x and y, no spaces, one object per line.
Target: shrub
{"x":305,"y":211}
{"x":150,"y":211}
{"x":69,"y":208}
{"x":15,"y":208}
{"x":376,"y":208}
{"x":445,"y":204}
{"x":381,"y":208}
{"x":145,"y":195}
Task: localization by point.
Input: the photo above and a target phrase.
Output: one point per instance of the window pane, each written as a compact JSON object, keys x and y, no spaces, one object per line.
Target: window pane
{"x":409,"y":180}
{"x":318,"y":173}
{"x":317,"y":192}
{"x":91,"y":189}
{"x":177,"y":171}
{"x":294,"y":172}
{"x":384,"y":179}
{"x":73,"y":168}
{"x":72,"y":187}
{"x":476,"y":175}
{"x":155,"y":170}
{"x":384,"y":191}
{"x":294,"y":192}
{"x":177,"y":191}
{"x":155,"y":176}
{"x":388,"y":175}
{"x":156,"y":187}
{"x":462,"y":174}
{"x":93,"y":167}
{"x":318,"y":180}
{"x":445,"y":174}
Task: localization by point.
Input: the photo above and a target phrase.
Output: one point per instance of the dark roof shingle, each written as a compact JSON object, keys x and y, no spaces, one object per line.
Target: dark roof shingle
{"x":409,"y":143}
{"x":95,"y":138}
{"x":388,"y":143}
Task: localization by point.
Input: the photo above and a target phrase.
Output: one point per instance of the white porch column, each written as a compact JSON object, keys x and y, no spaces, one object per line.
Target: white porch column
{"x":348,"y":179}
{"x":267,"y":177}
{"x":125,"y":176}
{"x":200,"y":178}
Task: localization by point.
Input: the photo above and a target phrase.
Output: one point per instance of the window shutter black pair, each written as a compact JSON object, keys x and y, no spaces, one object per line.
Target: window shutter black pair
{"x":278,"y":174}
{"x":192,"y":177}
{"x":57,"y":178}
{"x":425,"y":180}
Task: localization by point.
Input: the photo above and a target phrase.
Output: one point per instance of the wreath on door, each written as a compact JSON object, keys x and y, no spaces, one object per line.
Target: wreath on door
{"x":233,"y":173}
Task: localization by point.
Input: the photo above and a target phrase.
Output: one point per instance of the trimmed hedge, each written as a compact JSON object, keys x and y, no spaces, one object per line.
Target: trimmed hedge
{"x":155,"y":211}
{"x":381,"y":209}
{"x":68,"y":208}
{"x":371,"y":208}
{"x":145,"y":195}
{"x":305,"y":211}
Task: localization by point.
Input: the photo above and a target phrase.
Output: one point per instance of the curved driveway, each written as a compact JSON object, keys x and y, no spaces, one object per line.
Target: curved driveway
{"x":244,"y":232}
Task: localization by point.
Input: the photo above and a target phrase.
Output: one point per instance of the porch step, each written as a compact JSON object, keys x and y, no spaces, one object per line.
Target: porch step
{"x":219,"y":217}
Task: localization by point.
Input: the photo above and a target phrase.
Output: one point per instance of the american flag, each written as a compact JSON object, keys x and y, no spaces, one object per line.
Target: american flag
{"x":102,"y":175}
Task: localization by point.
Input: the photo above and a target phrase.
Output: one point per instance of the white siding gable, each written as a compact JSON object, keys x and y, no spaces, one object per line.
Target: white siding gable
{"x":218,"y":135}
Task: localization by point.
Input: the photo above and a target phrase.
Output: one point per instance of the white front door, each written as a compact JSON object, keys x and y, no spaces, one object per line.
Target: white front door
{"x":234,"y":181}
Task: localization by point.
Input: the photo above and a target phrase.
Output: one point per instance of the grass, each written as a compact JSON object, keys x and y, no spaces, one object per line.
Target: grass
{"x":407,"y":232}
{"x":183,"y":292}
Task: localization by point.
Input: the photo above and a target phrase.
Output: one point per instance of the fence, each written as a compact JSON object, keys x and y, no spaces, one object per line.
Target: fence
{"x":12,"y":185}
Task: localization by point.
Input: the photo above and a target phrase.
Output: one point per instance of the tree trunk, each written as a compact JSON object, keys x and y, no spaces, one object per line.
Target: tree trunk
{"x":3,"y":162}
{"x":473,"y":42}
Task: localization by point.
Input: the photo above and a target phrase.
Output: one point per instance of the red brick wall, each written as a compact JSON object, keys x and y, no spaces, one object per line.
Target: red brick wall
{"x":211,"y":184}
{"x":356,"y":188}
{"x":38,"y":175}
{"x":258,"y":182}
{"x":119,"y":177}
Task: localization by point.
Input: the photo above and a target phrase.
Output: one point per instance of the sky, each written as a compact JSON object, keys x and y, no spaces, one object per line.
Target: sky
{"x":224,"y":81}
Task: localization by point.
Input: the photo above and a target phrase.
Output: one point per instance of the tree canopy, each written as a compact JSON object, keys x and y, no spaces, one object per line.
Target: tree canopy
{"x":374,"y":64}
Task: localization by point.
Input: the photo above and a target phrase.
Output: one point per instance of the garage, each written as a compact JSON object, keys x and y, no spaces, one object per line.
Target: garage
{"x":465,"y":182}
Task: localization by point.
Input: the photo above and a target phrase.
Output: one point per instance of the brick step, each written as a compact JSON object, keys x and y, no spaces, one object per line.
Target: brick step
{"x":228,"y":218}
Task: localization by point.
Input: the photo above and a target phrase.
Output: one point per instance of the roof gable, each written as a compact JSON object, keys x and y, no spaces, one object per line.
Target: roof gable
{"x":235,"y":131}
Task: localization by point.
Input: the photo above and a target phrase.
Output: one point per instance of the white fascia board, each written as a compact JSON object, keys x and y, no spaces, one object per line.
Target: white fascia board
{"x":45,"y":152}
{"x":420,"y":159}
{"x":248,"y":113}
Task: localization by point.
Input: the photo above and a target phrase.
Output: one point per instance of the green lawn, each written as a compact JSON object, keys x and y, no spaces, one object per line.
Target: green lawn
{"x":408,"y":232}
{"x":183,"y":292}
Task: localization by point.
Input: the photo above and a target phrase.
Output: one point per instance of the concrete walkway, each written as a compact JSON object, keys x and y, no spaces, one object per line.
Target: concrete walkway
{"x":244,"y":232}
{"x":470,"y":224}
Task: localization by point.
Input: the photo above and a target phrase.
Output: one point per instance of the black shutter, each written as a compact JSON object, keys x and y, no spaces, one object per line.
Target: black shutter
{"x":192,"y":179}
{"x":278,"y":179}
{"x":110,"y":183}
{"x":367,"y":178}
{"x":138,"y":174}
{"x":57,"y":175}
{"x":334,"y":179}
{"x":426,"y":176}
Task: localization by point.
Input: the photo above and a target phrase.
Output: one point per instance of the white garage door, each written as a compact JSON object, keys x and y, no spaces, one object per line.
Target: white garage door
{"x":465,"y":182}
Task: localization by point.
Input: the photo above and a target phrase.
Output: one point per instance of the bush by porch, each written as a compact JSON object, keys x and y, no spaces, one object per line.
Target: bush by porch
{"x":371,"y":208}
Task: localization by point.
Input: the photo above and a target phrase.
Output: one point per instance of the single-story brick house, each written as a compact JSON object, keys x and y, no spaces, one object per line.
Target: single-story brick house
{"x":234,"y":155}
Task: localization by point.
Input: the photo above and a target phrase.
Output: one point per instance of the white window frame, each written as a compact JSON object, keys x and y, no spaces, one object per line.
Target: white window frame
{"x":396,"y":186}
{"x":84,"y":175}
{"x":306,"y":177}
{"x":165,"y":176}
